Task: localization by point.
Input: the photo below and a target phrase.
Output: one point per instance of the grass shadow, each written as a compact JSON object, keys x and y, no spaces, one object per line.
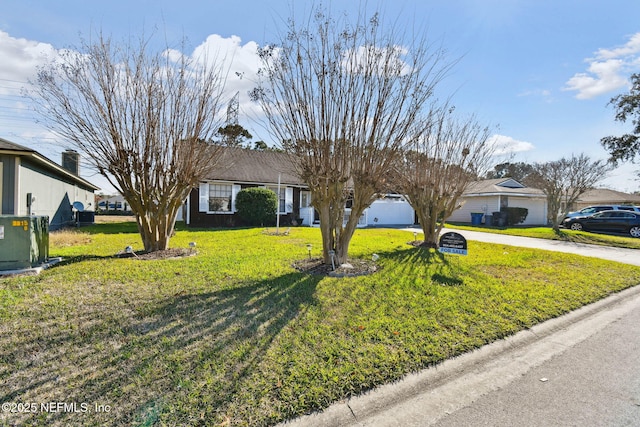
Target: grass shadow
{"x":446,"y":280}
{"x":441,"y":268}
{"x":184,"y":356}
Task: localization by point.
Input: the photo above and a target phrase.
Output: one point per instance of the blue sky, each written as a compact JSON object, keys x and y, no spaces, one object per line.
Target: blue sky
{"x":540,"y":71}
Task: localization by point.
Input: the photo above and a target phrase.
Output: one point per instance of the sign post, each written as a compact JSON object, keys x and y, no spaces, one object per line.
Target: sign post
{"x":453,"y":243}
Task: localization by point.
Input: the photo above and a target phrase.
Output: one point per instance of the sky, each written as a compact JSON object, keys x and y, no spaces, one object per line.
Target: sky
{"x":541,"y":73}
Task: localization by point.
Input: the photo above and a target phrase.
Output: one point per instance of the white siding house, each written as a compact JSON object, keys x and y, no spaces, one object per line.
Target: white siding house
{"x":490,"y":195}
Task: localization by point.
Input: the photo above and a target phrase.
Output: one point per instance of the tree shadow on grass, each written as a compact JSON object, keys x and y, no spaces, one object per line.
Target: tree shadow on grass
{"x":185,"y":357}
{"x":442,"y":268}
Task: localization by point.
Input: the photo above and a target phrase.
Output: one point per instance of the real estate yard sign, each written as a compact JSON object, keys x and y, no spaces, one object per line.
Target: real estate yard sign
{"x":453,"y":243}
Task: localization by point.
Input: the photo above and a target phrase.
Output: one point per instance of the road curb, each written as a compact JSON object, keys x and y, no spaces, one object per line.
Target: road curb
{"x":427,"y":396}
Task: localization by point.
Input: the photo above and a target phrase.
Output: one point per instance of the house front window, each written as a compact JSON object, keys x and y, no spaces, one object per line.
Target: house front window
{"x":220,"y":197}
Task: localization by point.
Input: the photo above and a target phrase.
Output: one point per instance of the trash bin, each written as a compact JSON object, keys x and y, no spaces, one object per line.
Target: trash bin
{"x":476,"y":218}
{"x":488,"y":219}
{"x":499,"y":219}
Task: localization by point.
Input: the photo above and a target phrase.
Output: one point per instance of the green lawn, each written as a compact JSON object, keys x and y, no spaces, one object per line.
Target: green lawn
{"x":236,"y":336}
{"x":619,"y":241}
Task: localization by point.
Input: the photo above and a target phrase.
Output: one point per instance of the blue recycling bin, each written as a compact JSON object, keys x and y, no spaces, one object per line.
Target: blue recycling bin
{"x":476,"y":218}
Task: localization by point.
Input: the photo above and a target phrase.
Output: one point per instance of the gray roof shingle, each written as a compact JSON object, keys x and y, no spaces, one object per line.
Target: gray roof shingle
{"x":19,"y":150}
{"x":501,"y":186}
{"x":254,"y":166}
{"x":11,"y":146}
{"x":604,"y":195}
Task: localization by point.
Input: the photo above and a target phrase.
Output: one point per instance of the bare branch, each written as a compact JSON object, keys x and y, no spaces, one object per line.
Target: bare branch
{"x":443,"y":158}
{"x":141,"y":119}
{"x":565,"y":180}
{"x":343,"y":98}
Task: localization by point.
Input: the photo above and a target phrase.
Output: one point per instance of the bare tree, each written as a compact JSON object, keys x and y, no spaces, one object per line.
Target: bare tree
{"x":439,"y":163}
{"x":141,"y":119}
{"x":564,"y":181}
{"x":342,"y":97}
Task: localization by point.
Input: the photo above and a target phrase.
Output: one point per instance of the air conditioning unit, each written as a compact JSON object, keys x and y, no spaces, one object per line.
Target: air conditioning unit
{"x":24,"y":241}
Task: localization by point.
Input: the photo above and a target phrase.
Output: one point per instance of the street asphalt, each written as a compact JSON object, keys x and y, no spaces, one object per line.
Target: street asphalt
{"x":580,"y":369}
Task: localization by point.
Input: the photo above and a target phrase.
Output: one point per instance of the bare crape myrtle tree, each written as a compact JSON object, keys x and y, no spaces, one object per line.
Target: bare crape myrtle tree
{"x":564,"y":181}
{"x":141,"y":119}
{"x":342,"y":98}
{"x":439,"y":163}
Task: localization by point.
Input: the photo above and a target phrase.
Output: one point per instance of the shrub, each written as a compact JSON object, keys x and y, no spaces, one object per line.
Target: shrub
{"x":257,"y":206}
{"x":515,"y":215}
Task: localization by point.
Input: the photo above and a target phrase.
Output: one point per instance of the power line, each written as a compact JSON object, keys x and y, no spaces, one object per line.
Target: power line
{"x":13,"y":81}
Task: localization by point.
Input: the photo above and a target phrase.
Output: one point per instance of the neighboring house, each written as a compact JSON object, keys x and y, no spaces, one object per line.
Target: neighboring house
{"x":603,"y":196}
{"x":113,"y":203}
{"x":31,"y":184}
{"x":489,"y":196}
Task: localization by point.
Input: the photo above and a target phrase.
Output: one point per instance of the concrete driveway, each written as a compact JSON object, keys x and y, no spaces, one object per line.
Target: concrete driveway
{"x":627,"y":256}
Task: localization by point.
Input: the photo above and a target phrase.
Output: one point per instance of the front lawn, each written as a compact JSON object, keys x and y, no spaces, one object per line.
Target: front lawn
{"x":236,"y":336}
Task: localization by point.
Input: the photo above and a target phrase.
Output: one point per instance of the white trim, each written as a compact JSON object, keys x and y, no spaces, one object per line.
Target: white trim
{"x":235,"y":189}
{"x":203,"y":195}
{"x":187,"y":219}
{"x":288,"y":200}
{"x":16,"y":186}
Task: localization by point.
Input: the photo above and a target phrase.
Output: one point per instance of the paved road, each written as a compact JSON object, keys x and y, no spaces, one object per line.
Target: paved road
{"x":581,"y":369}
{"x":595,"y":382}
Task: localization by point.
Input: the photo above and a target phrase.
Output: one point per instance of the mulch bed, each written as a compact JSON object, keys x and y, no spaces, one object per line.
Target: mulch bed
{"x":173,"y":253}
{"x":353,"y":268}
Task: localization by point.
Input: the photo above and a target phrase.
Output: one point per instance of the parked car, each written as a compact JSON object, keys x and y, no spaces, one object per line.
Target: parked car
{"x":599,"y":208}
{"x":613,"y":221}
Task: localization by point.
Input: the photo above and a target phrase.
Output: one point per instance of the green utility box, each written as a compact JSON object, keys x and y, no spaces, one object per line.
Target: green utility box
{"x":24,"y":241}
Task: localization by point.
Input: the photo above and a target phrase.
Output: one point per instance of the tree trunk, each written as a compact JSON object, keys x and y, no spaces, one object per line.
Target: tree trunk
{"x":156,"y":230}
{"x":430,"y":228}
{"x":345,"y":236}
{"x":327,"y":231}
{"x":335,"y":236}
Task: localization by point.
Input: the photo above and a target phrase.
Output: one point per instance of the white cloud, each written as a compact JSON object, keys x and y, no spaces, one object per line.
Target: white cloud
{"x":607,"y":71}
{"x":604,"y":77}
{"x":508,"y":145}
{"x":21,"y":58}
{"x":173,"y":55}
{"x":240,"y":63}
{"x":632,"y":47}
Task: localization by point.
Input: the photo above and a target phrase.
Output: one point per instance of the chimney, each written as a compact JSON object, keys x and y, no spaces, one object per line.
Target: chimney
{"x":71,"y":161}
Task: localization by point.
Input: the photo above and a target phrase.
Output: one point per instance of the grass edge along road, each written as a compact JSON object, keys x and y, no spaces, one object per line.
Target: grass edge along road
{"x":235,"y":336}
